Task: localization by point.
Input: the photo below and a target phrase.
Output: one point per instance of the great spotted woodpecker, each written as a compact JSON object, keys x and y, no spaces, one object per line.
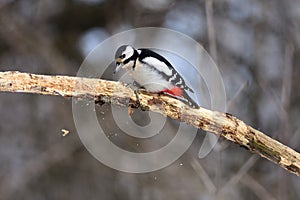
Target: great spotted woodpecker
{"x":153,"y":72}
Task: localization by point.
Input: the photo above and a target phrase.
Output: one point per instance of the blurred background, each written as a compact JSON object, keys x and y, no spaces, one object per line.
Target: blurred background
{"x":255,"y":44}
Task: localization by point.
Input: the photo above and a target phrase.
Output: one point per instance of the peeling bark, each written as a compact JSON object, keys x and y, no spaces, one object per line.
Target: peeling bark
{"x":222,"y":124}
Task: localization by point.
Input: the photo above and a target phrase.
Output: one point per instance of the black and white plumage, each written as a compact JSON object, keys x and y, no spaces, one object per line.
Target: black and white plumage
{"x":153,"y":72}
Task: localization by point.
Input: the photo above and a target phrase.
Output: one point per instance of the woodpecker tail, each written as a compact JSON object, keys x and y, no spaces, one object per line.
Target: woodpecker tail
{"x":182,"y":96}
{"x":188,"y":100}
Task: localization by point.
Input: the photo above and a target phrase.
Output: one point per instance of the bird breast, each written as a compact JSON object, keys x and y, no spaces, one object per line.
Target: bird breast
{"x":149,"y":78}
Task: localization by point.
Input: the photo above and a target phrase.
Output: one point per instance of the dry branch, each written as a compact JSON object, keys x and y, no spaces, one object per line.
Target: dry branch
{"x":222,"y":124}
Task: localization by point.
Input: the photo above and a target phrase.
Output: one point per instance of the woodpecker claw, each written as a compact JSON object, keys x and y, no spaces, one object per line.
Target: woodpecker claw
{"x":136,"y":92}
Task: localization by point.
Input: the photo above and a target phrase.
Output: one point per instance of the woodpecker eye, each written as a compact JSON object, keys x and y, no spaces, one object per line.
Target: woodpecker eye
{"x":122,"y":56}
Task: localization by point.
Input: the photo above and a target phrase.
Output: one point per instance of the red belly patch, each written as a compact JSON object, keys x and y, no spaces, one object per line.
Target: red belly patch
{"x":176,"y":91}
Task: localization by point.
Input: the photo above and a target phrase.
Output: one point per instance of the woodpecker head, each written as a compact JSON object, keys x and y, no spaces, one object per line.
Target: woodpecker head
{"x":125,"y":57}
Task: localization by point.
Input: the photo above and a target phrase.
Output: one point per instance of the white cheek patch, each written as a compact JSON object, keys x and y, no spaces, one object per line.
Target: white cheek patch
{"x":128,"y":52}
{"x":160,"y":66}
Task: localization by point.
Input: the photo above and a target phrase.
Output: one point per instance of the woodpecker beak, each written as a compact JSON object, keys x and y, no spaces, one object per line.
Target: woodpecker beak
{"x":118,"y":60}
{"x":119,"y":65}
{"x":117,"y":68}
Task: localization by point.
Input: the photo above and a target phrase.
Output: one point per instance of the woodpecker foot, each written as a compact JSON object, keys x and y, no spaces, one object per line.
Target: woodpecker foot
{"x":136,"y":92}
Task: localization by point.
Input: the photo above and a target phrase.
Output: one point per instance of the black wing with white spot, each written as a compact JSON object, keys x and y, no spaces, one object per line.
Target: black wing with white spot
{"x":164,"y":67}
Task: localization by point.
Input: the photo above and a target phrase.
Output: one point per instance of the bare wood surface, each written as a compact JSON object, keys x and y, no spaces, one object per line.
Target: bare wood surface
{"x":222,"y":124}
